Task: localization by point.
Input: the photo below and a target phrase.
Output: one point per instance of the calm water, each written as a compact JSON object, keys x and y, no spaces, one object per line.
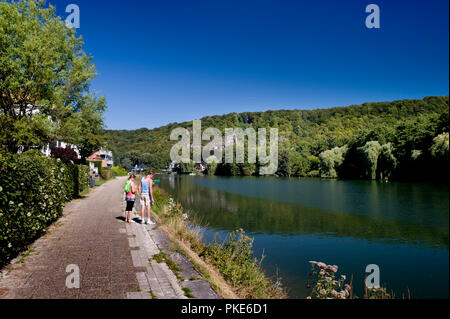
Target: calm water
{"x":401,"y":227}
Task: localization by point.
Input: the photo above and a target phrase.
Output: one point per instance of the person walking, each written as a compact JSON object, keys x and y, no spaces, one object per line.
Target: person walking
{"x":130,"y":197}
{"x":146,"y":197}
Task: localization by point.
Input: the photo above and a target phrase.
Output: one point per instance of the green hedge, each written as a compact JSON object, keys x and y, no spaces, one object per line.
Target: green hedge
{"x":107,"y":173}
{"x":120,"y":171}
{"x":80,"y":180}
{"x":33,"y":191}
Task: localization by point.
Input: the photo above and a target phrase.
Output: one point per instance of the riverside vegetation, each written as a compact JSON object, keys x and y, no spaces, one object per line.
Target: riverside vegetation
{"x":326,"y":285}
{"x":229,"y":266}
{"x":402,"y":140}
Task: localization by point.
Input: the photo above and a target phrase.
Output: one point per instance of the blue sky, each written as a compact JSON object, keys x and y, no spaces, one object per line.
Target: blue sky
{"x":173,"y":61}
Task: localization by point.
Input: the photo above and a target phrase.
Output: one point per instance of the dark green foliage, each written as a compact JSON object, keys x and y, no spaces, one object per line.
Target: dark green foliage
{"x":33,"y":190}
{"x":304,"y":134}
{"x":228,"y":169}
{"x":443,"y":123}
{"x":187,"y":168}
{"x":79,"y":181}
{"x":386,"y":162}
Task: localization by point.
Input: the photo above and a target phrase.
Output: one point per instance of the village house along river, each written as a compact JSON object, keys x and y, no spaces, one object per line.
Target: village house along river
{"x":401,"y":227}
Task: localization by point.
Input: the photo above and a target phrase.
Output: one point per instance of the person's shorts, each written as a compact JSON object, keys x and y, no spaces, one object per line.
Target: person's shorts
{"x":130,"y":204}
{"x":146,"y":200}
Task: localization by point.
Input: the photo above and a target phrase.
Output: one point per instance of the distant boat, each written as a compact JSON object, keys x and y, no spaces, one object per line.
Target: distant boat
{"x":192,"y":174}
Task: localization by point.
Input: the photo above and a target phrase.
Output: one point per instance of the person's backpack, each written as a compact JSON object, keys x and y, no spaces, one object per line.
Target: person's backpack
{"x":127,"y":187}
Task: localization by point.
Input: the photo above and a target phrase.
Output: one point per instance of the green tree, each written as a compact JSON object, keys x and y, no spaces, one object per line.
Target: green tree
{"x":187,"y":168}
{"x":386,"y":161}
{"x":371,"y":151}
{"x":90,"y":118}
{"x":443,"y":122}
{"x":211,"y":165}
{"x":126,"y":163}
{"x":44,"y":80}
{"x":135,"y":157}
{"x":439,"y":149}
{"x":331,"y":160}
{"x":407,"y":125}
{"x":284,"y":163}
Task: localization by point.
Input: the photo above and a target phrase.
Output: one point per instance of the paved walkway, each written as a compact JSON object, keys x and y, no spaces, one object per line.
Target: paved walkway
{"x":114,"y":258}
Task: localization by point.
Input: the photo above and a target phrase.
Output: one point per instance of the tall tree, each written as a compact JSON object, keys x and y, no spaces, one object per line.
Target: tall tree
{"x":44,"y":79}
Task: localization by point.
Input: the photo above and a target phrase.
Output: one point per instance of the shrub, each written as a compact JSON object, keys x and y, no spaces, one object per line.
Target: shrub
{"x":33,"y":190}
{"x":80,"y":180}
{"x":120,"y":171}
{"x":106,"y":173}
{"x":325,"y":285}
{"x":66,"y":155}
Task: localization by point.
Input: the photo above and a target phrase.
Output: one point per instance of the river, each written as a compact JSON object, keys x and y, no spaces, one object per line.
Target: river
{"x":401,"y":227}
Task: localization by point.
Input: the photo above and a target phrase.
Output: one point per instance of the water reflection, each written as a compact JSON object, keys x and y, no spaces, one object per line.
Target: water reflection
{"x":402,"y":227}
{"x":365,"y":210}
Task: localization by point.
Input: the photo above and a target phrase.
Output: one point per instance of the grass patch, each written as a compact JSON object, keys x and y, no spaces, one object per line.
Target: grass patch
{"x":25,"y":255}
{"x":100,"y":182}
{"x":58,"y":223}
{"x":152,"y":294}
{"x":163,"y":258}
{"x":188,"y":292}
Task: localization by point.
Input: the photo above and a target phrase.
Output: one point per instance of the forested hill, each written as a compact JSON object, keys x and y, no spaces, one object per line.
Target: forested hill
{"x":406,"y":129}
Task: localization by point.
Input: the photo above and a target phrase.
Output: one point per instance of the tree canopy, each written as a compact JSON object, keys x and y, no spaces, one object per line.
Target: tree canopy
{"x":45,"y":79}
{"x":372,"y":140}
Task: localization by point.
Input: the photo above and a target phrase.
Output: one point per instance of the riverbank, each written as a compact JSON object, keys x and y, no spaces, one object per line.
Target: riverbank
{"x":229,"y":267}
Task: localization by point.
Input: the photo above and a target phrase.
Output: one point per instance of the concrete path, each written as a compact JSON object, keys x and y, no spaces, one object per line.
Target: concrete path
{"x":114,"y":259}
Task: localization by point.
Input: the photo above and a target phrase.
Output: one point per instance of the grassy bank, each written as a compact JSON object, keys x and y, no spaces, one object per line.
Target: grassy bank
{"x":229,"y":267}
